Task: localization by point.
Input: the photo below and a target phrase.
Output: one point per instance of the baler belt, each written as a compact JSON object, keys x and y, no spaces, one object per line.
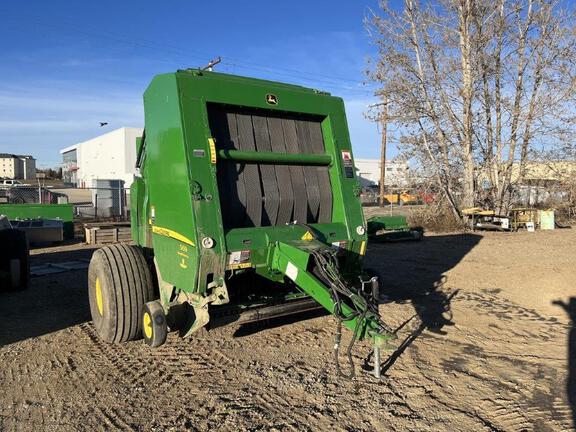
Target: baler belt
{"x":296,"y":172}
{"x":310,"y":175}
{"x":251,"y":174}
{"x":225,"y":131}
{"x":285,"y":190}
{"x":267,"y":172}
{"x":269,"y":194}
{"x":325,"y":211}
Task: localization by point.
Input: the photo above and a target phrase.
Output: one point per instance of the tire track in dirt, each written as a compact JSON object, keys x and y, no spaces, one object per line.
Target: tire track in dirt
{"x":514,"y":372}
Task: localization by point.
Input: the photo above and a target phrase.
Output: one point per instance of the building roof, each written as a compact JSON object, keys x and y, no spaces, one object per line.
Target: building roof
{"x":70,"y":148}
{"x":75,"y":146}
{"x":10,"y":155}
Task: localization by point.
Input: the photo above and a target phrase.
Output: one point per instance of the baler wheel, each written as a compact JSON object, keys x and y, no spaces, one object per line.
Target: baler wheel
{"x":119,"y":284}
{"x":154,"y":327}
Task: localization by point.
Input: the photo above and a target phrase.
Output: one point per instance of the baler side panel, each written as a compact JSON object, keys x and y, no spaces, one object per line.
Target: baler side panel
{"x":205,"y":194}
{"x":346,"y":190}
{"x":139,"y":212}
{"x":171,"y":216}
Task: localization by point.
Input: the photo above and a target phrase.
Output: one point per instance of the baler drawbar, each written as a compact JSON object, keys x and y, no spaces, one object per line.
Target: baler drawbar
{"x":245,"y":207}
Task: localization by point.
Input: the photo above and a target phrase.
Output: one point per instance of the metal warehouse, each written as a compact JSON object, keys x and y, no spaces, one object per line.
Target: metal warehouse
{"x":108,"y":156}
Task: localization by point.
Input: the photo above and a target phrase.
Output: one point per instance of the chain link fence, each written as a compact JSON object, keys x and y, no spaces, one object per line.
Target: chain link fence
{"x":90,"y":204}
{"x":100,"y":204}
{"x":30,"y":195}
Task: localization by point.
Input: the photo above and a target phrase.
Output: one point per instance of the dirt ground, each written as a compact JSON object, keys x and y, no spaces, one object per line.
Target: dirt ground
{"x":481,"y":346}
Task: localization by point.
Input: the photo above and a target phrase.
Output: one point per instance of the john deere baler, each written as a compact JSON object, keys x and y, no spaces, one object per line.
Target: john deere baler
{"x":246,"y":207}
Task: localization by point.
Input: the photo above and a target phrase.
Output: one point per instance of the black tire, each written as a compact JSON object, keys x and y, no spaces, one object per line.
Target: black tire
{"x":15,"y":247}
{"x":119,"y":284}
{"x":154,"y":326}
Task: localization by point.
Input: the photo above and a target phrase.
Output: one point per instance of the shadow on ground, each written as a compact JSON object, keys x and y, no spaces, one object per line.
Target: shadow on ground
{"x":52,"y":302}
{"x":414,"y":272}
{"x":570,"y":308}
{"x":409,"y":272}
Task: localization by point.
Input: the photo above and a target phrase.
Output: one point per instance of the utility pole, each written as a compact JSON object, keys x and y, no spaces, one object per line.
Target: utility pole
{"x":384,"y":122}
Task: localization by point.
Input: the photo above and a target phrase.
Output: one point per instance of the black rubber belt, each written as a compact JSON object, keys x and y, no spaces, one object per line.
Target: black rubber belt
{"x":267,"y":172}
{"x":310,"y":175}
{"x":325,"y":212}
{"x":296,"y":172}
{"x":232,"y":199}
{"x":251,"y":173}
{"x":270,"y":194}
{"x":284,"y":181}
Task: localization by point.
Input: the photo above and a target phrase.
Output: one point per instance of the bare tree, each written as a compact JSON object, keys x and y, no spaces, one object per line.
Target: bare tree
{"x":475,"y":87}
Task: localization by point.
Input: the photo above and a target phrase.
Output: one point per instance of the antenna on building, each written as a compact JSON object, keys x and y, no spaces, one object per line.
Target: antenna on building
{"x":212,"y":63}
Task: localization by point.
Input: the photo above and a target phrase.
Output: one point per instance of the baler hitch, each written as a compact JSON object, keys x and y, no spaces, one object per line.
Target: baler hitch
{"x":314,"y":268}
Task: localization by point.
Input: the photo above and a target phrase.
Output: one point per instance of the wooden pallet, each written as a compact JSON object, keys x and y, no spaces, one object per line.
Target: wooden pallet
{"x":107,"y":232}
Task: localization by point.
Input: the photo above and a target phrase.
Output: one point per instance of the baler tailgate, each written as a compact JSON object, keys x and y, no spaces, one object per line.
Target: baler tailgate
{"x":278,"y":191}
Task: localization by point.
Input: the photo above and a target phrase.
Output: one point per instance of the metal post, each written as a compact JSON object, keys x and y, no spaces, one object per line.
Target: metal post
{"x":120,"y":200}
{"x":376,"y":361}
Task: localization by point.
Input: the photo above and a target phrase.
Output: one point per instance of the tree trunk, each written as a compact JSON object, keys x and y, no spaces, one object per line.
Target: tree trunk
{"x":383,"y":152}
{"x":467,"y":94}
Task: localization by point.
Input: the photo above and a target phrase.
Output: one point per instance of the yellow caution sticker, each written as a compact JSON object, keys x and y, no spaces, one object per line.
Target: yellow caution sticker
{"x":363,"y":247}
{"x":307,"y":236}
{"x":166,"y":232}
{"x":212,"y":145}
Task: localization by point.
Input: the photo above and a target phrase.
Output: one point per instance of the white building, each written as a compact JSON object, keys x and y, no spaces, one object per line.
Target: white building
{"x":109,"y":156}
{"x":14,"y":166}
{"x":368,"y":171}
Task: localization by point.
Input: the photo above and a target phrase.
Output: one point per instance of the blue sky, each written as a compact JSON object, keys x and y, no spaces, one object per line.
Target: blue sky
{"x":67,"y":65}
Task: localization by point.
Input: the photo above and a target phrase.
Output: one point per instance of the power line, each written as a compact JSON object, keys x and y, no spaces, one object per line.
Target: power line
{"x":332,"y":81}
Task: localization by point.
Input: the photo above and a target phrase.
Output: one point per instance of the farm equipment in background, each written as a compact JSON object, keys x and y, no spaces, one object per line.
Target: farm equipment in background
{"x":401,"y":198}
{"x":14,"y":257}
{"x":246,"y":207}
{"x":42,"y":222}
{"x":483,"y":219}
{"x":392,"y":228}
{"x":516,"y":219}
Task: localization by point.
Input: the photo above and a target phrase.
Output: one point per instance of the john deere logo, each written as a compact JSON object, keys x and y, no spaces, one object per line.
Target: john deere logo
{"x":271,"y":99}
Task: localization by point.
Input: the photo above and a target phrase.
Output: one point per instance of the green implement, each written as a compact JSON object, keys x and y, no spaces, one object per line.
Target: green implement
{"x":392,"y":228}
{"x":246,"y":207}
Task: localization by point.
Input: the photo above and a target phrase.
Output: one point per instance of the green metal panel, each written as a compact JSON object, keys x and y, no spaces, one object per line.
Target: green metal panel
{"x":377,"y":223}
{"x":64,"y":212}
{"x":169,"y":215}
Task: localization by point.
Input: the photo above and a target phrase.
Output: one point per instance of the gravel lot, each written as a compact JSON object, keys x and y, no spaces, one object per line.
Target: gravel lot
{"x":481,"y":346}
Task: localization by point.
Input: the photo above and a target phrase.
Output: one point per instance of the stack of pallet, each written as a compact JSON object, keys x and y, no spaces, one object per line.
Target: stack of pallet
{"x":107,"y":232}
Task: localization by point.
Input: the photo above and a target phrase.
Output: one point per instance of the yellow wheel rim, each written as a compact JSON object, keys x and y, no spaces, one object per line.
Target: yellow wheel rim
{"x":99,"y":301}
{"x":147,"y":325}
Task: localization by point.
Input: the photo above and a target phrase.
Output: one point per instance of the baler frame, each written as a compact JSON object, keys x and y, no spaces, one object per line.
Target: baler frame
{"x":195,"y":249}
